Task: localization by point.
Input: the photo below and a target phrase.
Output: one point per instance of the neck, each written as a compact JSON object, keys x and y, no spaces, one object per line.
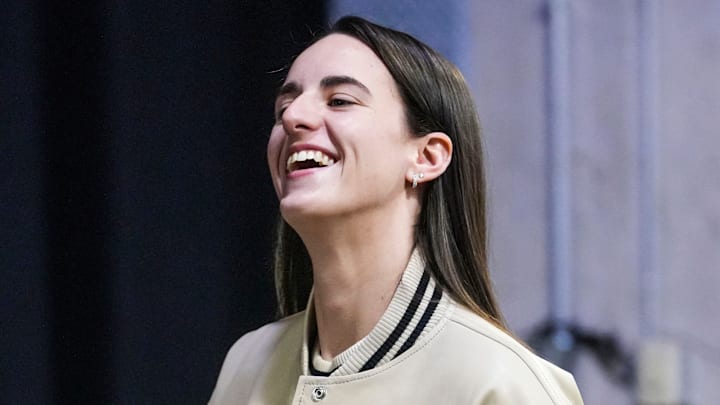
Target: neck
{"x":357,"y":264}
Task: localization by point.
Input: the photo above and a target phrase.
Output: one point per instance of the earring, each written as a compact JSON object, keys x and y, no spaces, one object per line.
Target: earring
{"x":415,"y":178}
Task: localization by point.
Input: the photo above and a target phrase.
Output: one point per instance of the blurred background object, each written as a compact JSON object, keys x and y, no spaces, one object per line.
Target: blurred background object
{"x":137,"y":212}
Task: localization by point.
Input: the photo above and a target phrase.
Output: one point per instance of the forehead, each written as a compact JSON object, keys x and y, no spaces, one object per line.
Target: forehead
{"x":339,"y":54}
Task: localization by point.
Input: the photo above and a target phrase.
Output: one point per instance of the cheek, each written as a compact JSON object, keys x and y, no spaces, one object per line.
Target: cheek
{"x":274,"y":149}
{"x":274,"y":145}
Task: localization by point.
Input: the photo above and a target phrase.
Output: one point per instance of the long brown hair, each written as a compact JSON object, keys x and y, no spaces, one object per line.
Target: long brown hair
{"x":451,"y":231}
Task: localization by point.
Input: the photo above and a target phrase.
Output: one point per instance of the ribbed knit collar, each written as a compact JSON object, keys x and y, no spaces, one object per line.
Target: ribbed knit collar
{"x":415,"y":308}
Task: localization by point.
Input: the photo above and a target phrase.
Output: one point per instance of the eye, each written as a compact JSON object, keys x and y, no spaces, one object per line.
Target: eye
{"x":279,"y":114}
{"x":339,"y":102}
{"x":279,"y":111}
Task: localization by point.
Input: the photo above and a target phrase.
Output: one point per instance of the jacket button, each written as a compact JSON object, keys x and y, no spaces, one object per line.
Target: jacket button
{"x":318,"y":394}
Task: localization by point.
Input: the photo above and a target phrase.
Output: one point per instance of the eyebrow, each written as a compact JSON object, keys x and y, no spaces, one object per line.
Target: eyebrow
{"x":325,"y":83}
{"x":332,"y":81}
{"x":288,"y":88}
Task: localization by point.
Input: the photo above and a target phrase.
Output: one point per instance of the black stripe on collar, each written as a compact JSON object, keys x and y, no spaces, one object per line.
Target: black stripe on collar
{"x":429,"y":311}
{"x":401,"y":326}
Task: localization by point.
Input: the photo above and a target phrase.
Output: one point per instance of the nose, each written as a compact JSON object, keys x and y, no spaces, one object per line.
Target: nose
{"x":301,"y":115}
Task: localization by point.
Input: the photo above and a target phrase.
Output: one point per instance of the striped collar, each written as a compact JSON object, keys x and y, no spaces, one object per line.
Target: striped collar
{"x":416,"y":307}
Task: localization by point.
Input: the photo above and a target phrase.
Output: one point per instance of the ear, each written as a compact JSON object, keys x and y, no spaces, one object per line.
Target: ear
{"x":434,"y":152}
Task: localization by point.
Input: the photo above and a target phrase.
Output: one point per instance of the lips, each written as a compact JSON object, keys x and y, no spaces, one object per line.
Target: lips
{"x":307,"y":159}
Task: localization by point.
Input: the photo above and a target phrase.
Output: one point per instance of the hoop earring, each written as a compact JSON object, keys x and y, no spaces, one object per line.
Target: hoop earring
{"x":415,"y":178}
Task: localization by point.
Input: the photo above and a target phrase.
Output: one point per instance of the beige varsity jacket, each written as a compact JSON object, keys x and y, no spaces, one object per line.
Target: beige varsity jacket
{"x":426,"y":349}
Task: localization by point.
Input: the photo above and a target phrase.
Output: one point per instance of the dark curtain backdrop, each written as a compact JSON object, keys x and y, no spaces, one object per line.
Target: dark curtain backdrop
{"x":137,"y":211}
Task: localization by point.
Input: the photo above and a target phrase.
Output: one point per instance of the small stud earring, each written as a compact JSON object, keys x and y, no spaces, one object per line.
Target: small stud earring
{"x":415,"y":178}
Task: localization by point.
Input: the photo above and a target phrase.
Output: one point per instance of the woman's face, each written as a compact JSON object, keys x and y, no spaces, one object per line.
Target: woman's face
{"x":340,"y":144}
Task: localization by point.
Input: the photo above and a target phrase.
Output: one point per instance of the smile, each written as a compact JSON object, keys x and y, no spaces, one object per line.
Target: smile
{"x":307,"y":159}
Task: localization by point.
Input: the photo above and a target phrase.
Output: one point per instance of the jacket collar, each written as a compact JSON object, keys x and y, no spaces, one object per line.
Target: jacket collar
{"x":415,"y":308}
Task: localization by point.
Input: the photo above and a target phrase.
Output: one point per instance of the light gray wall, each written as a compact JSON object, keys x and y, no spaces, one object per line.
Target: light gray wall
{"x":678,"y":295}
{"x":689,"y":186}
{"x":645,"y":251}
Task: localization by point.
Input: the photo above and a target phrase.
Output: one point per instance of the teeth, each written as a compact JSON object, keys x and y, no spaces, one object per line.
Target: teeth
{"x":304,"y":155}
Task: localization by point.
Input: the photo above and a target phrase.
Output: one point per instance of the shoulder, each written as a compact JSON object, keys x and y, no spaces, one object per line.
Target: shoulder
{"x":515,"y":374}
{"x":249,"y":354}
{"x":265,"y":336}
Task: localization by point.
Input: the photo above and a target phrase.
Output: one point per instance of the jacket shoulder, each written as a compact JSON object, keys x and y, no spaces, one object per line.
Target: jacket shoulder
{"x":257,"y":342}
{"x":249,"y":354}
{"x":518,"y":374}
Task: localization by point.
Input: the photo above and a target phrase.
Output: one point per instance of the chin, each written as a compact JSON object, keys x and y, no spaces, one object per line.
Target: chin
{"x":295,"y":210}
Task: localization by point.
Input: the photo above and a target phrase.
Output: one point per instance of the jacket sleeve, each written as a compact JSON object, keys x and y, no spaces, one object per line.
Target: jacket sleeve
{"x":517,"y":391}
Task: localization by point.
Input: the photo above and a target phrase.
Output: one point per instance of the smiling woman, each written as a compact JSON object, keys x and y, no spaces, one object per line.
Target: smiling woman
{"x":380,"y":263}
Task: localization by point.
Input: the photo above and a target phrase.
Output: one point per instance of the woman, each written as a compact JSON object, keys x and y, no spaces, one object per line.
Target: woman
{"x":377,"y":162}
